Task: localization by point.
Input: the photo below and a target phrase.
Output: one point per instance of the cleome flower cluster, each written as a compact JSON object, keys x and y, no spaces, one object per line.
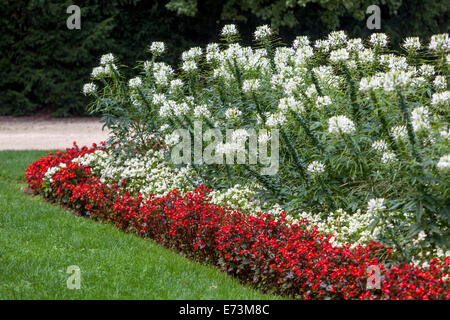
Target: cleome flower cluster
{"x":263,"y":249}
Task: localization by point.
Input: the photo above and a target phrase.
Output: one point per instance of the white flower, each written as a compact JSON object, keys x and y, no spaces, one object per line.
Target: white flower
{"x":157,"y":48}
{"x":176,"y":84}
{"x":172,"y":139}
{"x":378,"y":39}
{"x":440,"y":82}
{"x":440,"y":42}
{"x":426,"y":70}
{"x":212,"y":52}
{"x":412,"y":43}
{"x":380,"y":145}
{"x":202,"y":111}
{"x":263,"y":137}
{"x":159,"y":98}
{"x":191,"y":54}
{"x":323,"y":101}
{"x":337,"y":38}
{"x":229,"y":30}
{"x":441,"y":98}
{"x":89,"y":88}
{"x":375,"y":206}
{"x":388,"y":157}
{"x":106,"y":59}
{"x":275,"y":120}
{"x":322,"y":45}
{"x":233,"y":113}
{"x":355,"y":45}
{"x":421,"y":236}
{"x":339,"y":55}
{"x":250,"y":85}
{"x":164,"y":127}
{"x":444,"y":163}
{"x":189,"y":65}
{"x":180,"y":109}
{"x":262,"y":32}
{"x":420,"y":118}
{"x":315,"y":167}
{"x":300,"y":41}
{"x":340,"y":124}
{"x":399,"y":132}
{"x":98,"y":72}
{"x":290,"y":103}
{"x":135,"y":82}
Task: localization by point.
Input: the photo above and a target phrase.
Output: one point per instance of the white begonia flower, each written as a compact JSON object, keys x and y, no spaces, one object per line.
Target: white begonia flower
{"x":107,"y":59}
{"x":323,"y":101}
{"x":229,"y":30}
{"x":388,"y":157}
{"x":378,"y":39}
{"x":233,"y":113}
{"x":411,"y":43}
{"x":157,"y":47}
{"x":339,"y":55}
{"x":276,"y":120}
{"x":380,"y":145}
{"x":315,"y":168}
{"x":441,"y":98}
{"x":135,"y":82}
{"x":399,"y":133}
{"x":375,"y":206}
{"x":444,"y":163}
{"x":89,"y":88}
{"x":440,"y":82}
{"x":340,"y":124}
{"x":202,"y":111}
{"x":440,"y":42}
{"x":250,"y":85}
{"x":189,"y":66}
{"x":262,"y":32}
{"x":300,"y":41}
{"x":420,"y":118}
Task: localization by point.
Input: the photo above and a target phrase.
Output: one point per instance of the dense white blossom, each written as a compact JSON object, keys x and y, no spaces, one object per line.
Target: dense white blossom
{"x":375,"y":206}
{"x":441,"y":98}
{"x":412,"y":43}
{"x":378,"y":39}
{"x":440,"y":42}
{"x":89,"y":88}
{"x":250,"y":85}
{"x":340,"y":124}
{"x":202,"y":111}
{"x":399,"y":133}
{"x":262,"y":32}
{"x":444,"y":163}
{"x":157,"y":48}
{"x":135,"y":82}
{"x":380,"y":145}
{"x":420,"y":118}
{"x":106,"y":59}
{"x":229,"y":30}
{"x":315,"y":168}
{"x":233,"y":113}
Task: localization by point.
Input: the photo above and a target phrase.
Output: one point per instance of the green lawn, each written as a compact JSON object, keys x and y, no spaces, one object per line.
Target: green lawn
{"x":38,"y":241}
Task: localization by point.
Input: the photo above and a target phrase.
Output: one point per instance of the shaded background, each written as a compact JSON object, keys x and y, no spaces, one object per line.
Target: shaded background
{"x":43,"y":65}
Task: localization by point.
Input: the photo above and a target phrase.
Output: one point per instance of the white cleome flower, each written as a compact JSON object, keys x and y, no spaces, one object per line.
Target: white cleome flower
{"x":420,"y":118}
{"x":107,"y":59}
{"x":189,"y":66}
{"x":440,"y":82}
{"x":315,"y":167}
{"x":192,"y":54}
{"x":440,"y":42}
{"x":250,"y":85}
{"x":388,"y":157}
{"x":300,"y":41}
{"x":411,"y":43}
{"x":262,"y":32}
{"x":399,"y":133}
{"x":380,"y":145}
{"x":340,"y":124}
{"x":157,"y":48}
{"x":229,"y":30}
{"x":135,"y":82}
{"x":323,"y":101}
{"x":444,"y":163}
{"x":339,"y":55}
{"x":276,"y":120}
{"x":375,"y":206}
{"x":202,"y":111}
{"x":441,"y":98}
{"x":378,"y":39}
{"x":233,"y":113}
{"x":89,"y":88}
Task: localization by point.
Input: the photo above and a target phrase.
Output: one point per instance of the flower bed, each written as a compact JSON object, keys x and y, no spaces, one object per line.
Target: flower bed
{"x":289,"y":258}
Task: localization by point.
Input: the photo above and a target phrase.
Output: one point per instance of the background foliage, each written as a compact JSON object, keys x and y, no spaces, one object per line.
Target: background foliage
{"x":43,"y":64}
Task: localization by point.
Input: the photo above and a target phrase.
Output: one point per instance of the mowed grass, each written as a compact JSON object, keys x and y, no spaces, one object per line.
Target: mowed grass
{"x":39,"y":241}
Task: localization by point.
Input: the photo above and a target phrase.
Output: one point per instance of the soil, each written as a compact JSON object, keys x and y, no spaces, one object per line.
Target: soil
{"x":43,"y":132}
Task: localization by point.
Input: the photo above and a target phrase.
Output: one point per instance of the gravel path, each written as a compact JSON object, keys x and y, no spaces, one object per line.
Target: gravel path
{"x":48,"y":133}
